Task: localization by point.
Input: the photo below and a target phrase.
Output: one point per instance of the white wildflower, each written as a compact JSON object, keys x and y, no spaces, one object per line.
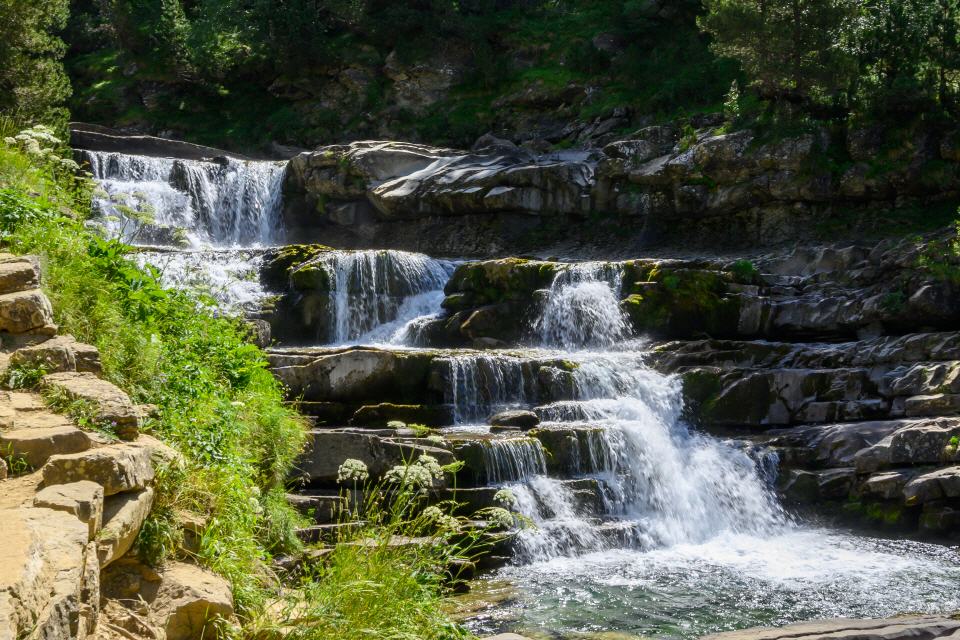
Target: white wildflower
{"x":436,"y":439}
{"x":396,"y":424}
{"x":505,"y":497}
{"x":430,"y":463}
{"x":352,"y":470}
{"x":499,"y":518}
{"x":413,"y":476}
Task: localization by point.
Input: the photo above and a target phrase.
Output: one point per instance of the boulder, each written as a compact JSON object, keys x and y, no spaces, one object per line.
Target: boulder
{"x":123,"y":515}
{"x":936,"y":485}
{"x":886,"y":485}
{"x":916,"y":442}
{"x":179,"y":602}
{"x":60,"y":353}
{"x":117,"y":468}
{"x":18,"y":274}
{"x":189,"y":602}
{"x":46,"y":590}
{"x":83,"y":499}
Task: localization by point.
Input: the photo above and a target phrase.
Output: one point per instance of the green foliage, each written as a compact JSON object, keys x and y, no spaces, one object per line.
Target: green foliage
{"x":33,"y":83}
{"x":25,"y":376}
{"x":834,"y":58}
{"x":744,"y":271}
{"x":941,"y":257}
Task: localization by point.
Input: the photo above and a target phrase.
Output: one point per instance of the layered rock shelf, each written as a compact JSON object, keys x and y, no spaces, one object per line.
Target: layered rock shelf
{"x":73,"y":499}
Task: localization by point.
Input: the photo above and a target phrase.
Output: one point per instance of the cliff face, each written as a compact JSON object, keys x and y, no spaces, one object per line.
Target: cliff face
{"x":657,"y":187}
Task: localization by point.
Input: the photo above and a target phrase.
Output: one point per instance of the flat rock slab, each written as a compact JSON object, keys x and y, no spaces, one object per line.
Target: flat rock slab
{"x":24,"y":311}
{"x":58,"y":354}
{"x":112,"y":405}
{"x":36,"y":445}
{"x":907,"y":628}
{"x":82,"y":499}
{"x":117,"y":468}
{"x":936,"y":485}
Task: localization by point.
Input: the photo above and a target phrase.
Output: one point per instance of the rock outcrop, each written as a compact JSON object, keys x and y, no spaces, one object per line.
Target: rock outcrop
{"x":73,"y":500}
{"x":659,"y":186}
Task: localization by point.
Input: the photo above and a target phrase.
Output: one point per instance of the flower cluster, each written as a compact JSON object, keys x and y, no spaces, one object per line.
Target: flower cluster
{"x":411,"y":476}
{"x":436,"y":439}
{"x":39,"y":142}
{"x":430,"y":463}
{"x":441,"y":520}
{"x":505,"y":497}
{"x":499,"y":518}
{"x":352,"y":470}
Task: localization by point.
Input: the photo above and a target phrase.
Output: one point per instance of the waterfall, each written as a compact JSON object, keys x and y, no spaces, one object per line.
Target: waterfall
{"x":514,"y":459}
{"x":481,"y":384}
{"x":582,"y":308}
{"x":223,"y":203}
{"x":380,"y":296}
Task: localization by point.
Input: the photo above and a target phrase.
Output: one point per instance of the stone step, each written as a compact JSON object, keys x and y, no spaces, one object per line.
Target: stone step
{"x":18,"y":274}
{"x":22,"y":420}
{"x":24,"y":311}
{"x":61,"y":353}
{"x":325,"y":509}
{"x":110,"y":404}
{"x":36,"y":445}
{"x":117,"y":468}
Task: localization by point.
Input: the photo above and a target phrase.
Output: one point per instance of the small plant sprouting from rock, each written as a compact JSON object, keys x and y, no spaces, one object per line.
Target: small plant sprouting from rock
{"x":941,"y":258}
{"x":744,"y":271}
{"x":950,"y":451}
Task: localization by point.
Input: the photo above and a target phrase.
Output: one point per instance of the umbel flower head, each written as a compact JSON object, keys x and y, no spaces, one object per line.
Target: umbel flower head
{"x":412,"y":476}
{"x":352,"y":470}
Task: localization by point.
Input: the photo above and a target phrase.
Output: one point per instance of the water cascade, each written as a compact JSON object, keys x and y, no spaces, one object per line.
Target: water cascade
{"x":379,"y":296}
{"x":222,"y":203}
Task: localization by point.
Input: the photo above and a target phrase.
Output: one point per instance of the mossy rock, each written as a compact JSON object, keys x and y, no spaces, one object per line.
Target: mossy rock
{"x":495,"y":281}
{"x":699,"y":387}
{"x":682,"y":303}
{"x":278,"y":264}
{"x":885,"y":515}
{"x":379,"y":415}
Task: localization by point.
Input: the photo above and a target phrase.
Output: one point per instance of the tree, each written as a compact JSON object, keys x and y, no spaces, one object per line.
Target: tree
{"x":792,"y":51}
{"x":33,"y":83}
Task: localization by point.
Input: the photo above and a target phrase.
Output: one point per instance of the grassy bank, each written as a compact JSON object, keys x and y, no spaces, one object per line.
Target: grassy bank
{"x":216,"y":403}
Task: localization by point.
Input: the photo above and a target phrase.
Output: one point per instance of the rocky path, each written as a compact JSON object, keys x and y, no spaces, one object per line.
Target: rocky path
{"x":73,"y":500}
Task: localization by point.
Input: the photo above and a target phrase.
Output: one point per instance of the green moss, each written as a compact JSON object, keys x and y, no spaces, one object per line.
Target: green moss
{"x":681,"y":302}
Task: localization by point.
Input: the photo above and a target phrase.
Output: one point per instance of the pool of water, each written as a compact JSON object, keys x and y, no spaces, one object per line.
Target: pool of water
{"x":731,"y":582}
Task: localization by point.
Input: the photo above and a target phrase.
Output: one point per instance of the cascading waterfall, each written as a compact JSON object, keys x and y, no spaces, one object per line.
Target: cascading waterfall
{"x":514,"y":459}
{"x":664,"y":484}
{"x":222,"y":203}
{"x":582,"y":308}
{"x":480,"y":384}
{"x":379,"y":296}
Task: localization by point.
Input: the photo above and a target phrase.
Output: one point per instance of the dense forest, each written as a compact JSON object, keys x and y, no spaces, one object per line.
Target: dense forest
{"x":243,"y":73}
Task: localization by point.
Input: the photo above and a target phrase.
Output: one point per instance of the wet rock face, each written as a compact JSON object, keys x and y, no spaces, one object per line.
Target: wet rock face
{"x":661,"y":186}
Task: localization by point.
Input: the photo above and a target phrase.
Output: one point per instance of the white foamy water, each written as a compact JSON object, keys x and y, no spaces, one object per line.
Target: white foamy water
{"x":223,"y":203}
{"x":231,"y":277}
{"x":582,"y":308}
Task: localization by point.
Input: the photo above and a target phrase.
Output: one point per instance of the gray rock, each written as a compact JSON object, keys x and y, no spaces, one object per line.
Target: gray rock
{"x":517,"y":419}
